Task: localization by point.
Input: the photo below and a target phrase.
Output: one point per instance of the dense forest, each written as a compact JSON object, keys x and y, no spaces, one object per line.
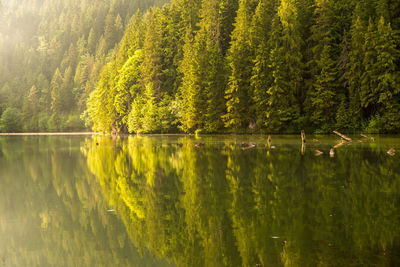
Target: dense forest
{"x":51,"y":54}
{"x":200,"y":66}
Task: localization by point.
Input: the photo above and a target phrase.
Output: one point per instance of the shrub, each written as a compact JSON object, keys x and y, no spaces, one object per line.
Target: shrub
{"x":11,"y":120}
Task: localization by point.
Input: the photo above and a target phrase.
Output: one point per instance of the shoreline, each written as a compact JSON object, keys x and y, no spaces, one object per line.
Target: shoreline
{"x":48,"y":134}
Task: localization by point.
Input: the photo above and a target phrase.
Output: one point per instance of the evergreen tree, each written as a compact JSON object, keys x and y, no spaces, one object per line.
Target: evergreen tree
{"x":262,"y":76}
{"x":388,"y":87}
{"x":356,"y":68}
{"x":31,"y":109}
{"x":322,"y":98}
{"x":383,"y":10}
{"x":321,"y":31}
{"x":285,"y":92}
{"x":128,"y":87}
{"x":343,"y":115}
{"x":92,"y":41}
{"x":240,"y":57}
{"x":368,"y":93}
{"x":206,"y":84}
{"x":394,"y":11}
{"x":153,"y":52}
{"x":132,"y":39}
{"x":188,"y":89}
{"x":227,"y":15}
{"x":57,"y":104}
{"x":323,"y":90}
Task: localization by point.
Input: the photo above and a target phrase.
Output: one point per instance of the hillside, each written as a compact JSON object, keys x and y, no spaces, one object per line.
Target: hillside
{"x":51,"y":53}
{"x":201,"y":66}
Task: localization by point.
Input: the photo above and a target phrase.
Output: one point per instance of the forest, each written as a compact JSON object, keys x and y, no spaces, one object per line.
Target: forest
{"x":192,"y":66}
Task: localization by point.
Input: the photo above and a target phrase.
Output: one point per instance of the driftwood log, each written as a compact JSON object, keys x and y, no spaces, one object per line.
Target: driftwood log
{"x":340,"y":144}
{"x":318,"y":152}
{"x":348,"y":139}
{"x":368,"y":137}
{"x":303,"y":136}
{"x":269,"y":141}
{"x":246,"y":146}
{"x":391,"y":152}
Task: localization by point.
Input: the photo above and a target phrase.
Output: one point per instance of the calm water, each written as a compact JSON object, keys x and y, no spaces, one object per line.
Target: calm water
{"x":166,"y":201}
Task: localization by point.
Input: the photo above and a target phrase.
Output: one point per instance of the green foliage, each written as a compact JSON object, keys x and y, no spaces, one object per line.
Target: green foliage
{"x":240,"y":56}
{"x":149,"y":116}
{"x":218,"y":65}
{"x":60,"y":49}
{"x":323,"y":96}
{"x":203,"y":83}
{"x":10,"y":120}
{"x":283,"y":109}
{"x":262,"y":32}
{"x":375,"y":124}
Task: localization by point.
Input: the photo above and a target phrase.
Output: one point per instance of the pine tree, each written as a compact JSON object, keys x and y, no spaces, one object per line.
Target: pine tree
{"x":322,"y":98}
{"x":276,"y":98}
{"x":383,"y":10}
{"x":285,"y":92}
{"x":150,"y":122}
{"x":206,"y":84}
{"x":153,"y":52}
{"x":31,"y":109}
{"x":227,"y":15}
{"x":262,"y":78}
{"x":128,"y":87}
{"x":91,"y":41}
{"x":394,"y":10}
{"x":323,"y":90}
{"x":110,"y":32}
{"x":57,"y":104}
{"x":368,"y":92}
{"x":188,"y":90}
{"x":240,"y":57}
{"x":356,"y":68}
{"x":343,"y":119}
{"x":388,"y":86}
{"x":321,"y":31}
{"x":132,"y":39}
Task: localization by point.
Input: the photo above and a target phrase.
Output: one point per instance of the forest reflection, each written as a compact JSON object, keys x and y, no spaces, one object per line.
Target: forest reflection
{"x":52,"y":209}
{"x":215,"y":204}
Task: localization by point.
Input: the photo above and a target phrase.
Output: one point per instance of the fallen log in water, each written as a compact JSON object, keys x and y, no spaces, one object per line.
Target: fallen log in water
{"x":348,"y":139}
{"x":368,"y":137}
{"x":318,"y":153}
{"x":340,"y":144}
{"x":391,"y":152}
{"x":246,"y":146}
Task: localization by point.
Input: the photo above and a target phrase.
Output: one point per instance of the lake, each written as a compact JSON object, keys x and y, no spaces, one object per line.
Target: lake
{"x":198,"y":201}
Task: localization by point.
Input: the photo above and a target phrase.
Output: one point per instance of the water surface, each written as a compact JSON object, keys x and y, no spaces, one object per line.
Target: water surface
{"x":208,"y":201}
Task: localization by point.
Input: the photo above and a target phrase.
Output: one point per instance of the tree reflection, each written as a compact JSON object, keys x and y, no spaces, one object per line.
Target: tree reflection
{"x":217,"y":205}
{"x":52,"y":208}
